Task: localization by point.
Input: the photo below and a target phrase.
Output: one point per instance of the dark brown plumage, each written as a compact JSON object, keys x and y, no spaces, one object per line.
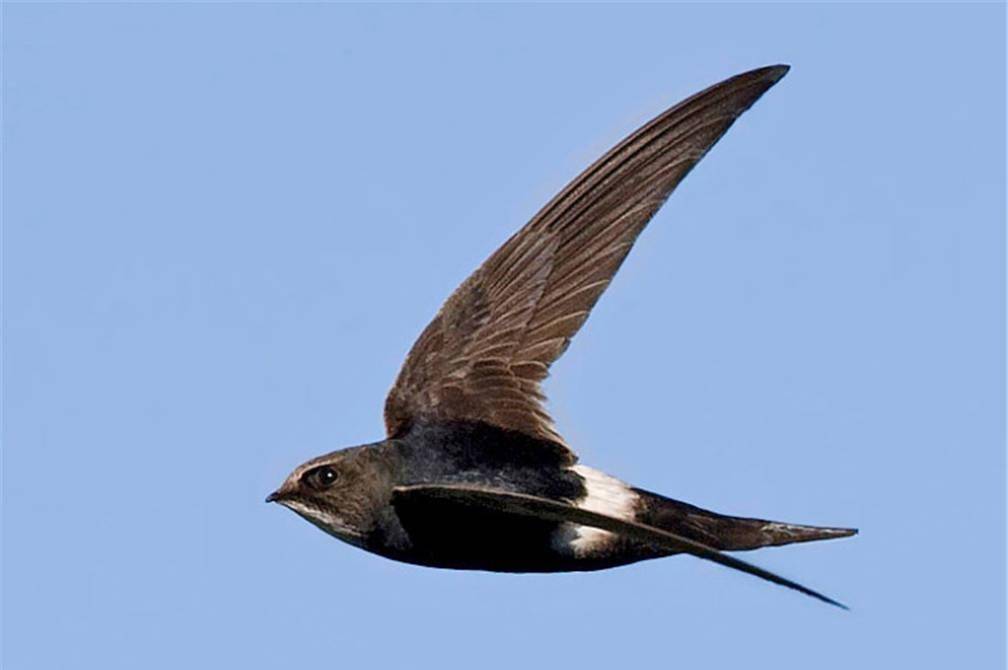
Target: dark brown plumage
{"x":484,"y":355}
{"x":473,"y":474}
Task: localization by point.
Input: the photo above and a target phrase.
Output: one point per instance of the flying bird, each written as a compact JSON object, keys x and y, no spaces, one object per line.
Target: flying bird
{"x":472,"y":473}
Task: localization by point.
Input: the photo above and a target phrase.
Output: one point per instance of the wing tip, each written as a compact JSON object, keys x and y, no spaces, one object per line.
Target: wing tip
{"x":835,"y":603}
{"x":762,"y":78}
{"x":775,"y":73}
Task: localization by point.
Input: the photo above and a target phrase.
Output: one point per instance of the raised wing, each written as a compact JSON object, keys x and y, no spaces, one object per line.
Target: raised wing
{"x":521,"y":504}
{"x":484,"y":355}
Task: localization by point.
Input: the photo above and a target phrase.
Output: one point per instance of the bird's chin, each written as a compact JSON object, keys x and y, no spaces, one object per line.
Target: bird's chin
{"x":332,"y":525}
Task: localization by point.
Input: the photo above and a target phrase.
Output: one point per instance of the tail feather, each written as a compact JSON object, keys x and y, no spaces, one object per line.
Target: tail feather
{"x":728,"y":533}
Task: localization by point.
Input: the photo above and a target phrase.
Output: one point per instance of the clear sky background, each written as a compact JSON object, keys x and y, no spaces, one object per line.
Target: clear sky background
{"x":224,"y":226}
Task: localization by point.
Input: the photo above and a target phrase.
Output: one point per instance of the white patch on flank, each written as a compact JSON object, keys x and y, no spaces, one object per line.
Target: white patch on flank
{"x":605,"y":495}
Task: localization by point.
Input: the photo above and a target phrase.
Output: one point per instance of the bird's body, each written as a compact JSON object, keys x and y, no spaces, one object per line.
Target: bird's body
{"x":472,"y":474}
{"x":476,"y":454}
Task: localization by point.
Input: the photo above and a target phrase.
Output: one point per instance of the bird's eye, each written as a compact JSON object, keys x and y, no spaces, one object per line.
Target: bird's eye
{"x":322,"y":478}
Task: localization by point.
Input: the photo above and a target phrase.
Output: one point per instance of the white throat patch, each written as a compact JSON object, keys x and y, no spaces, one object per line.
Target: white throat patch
{"x":335,"y":526}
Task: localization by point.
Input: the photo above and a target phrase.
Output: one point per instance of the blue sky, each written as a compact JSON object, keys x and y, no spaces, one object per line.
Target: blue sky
{"x":225,"y":224}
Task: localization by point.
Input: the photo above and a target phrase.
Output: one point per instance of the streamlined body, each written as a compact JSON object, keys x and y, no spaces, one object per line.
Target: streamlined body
{"x":471,"y":454}
{"x":472,"y":473}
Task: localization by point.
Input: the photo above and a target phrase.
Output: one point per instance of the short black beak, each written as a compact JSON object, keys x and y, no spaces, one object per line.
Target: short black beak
{"x":273,"y":497}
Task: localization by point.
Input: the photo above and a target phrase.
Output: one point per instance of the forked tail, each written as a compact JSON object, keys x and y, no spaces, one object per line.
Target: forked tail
{"x":728,"y":533}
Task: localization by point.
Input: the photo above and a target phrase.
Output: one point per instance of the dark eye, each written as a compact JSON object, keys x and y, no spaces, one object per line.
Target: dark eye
{"x":322,"y":478}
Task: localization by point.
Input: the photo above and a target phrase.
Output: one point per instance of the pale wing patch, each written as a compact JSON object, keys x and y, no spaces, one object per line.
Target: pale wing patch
{"x":605,"y":495}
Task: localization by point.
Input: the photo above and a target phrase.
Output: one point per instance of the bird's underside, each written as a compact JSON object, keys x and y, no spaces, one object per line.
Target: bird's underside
{"x":473,"y":474}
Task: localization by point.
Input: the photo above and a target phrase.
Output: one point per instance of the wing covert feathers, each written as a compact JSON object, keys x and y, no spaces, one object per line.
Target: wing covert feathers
{"x":490,"y":346}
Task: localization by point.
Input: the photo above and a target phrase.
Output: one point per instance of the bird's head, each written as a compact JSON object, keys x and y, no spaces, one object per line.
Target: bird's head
{"x":340,"y":492}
